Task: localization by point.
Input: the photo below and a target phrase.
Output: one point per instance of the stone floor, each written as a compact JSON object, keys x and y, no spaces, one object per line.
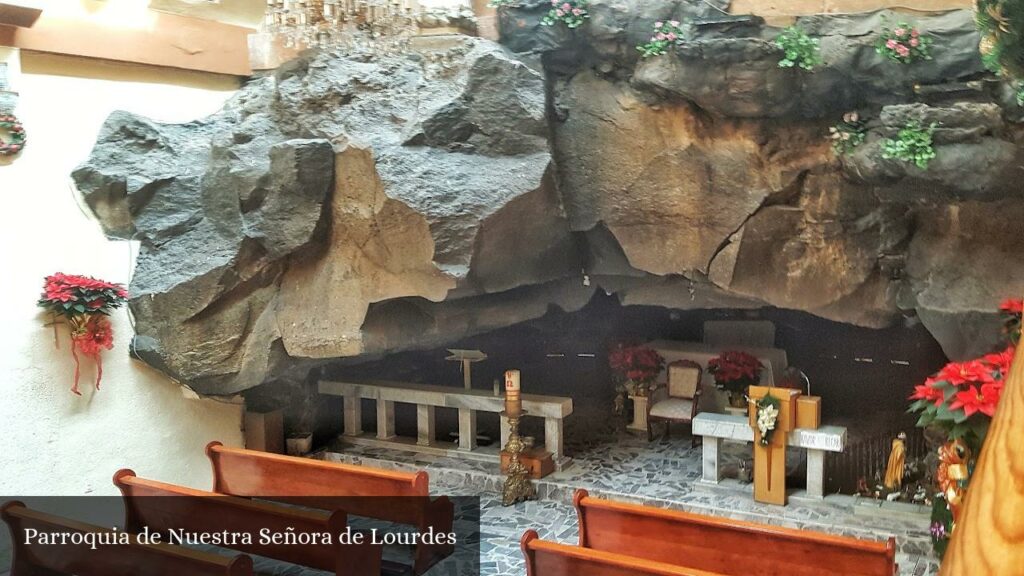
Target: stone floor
{"x":664,"y":473}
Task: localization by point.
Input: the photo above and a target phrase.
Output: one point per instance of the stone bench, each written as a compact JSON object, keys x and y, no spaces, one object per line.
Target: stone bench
{"x":428,"y":397}
{"x":715,"y":427}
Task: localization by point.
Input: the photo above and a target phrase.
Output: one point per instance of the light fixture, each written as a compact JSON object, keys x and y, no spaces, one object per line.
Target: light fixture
{"x":357,"y":25}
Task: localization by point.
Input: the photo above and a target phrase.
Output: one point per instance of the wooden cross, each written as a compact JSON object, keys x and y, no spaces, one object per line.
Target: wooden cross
{"x":770,"y":460}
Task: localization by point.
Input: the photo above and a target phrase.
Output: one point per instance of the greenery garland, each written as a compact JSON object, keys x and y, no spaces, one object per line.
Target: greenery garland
{"x":1001,"y":23}
{"x":767,"y":417}
{"x":13,"y":127}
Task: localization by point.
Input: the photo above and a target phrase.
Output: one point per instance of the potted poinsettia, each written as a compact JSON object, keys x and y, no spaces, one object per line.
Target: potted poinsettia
{"x":84,"y":303}
{"x":636,"y":367}
{"x":960,"y":400}
{"x":734,"y":371}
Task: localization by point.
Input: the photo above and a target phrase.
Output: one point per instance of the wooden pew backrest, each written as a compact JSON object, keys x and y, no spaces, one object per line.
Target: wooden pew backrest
{"x":252,"y":473}
{"x":400,"y":497}
{"x":134,"y":559}
{"x":164,"y":507}
{"x":724,"y":545}
{"x":551,"y":559}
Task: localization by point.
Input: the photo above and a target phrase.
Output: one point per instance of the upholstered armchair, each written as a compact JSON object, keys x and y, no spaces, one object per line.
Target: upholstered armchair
{"x":683,"y":395}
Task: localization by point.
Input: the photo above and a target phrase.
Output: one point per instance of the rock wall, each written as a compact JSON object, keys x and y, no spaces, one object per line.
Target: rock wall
{"x":347,"y":205}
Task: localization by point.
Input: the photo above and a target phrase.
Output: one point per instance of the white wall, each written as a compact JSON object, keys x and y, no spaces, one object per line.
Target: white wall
{"x":52,"y":442}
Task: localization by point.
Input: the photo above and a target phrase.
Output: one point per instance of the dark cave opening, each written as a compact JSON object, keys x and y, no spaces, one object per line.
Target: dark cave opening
{"x":863,"y":375}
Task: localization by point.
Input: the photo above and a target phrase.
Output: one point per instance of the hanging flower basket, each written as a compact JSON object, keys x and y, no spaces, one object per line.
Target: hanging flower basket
{"x":16,"y":134}
{"x":84,"y":303}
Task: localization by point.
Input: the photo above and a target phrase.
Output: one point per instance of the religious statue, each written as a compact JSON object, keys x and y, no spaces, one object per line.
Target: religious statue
{"x":897,"y":459}
{"x":953,"y":473}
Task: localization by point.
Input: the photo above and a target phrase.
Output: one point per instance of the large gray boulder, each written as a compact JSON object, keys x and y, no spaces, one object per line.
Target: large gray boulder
{"x":270,"y":229}
{"x":347,"y":207}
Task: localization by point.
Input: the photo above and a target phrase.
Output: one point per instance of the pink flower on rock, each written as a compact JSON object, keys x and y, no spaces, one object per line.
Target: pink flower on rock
{"x":891,"y":44}
{"x":659,"y":24}
{"x":914,"y":41}
{"x":566,"y":7}
{"x":899,"y":32}
{"x":902,"y":50}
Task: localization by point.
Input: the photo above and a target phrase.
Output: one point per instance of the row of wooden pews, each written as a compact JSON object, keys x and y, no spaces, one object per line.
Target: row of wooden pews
{"x":618,"y":539}
{"x":252,"y":491}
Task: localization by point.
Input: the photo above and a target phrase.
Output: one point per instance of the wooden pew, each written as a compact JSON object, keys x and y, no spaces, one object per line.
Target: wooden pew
{"x":551,"y":559}
{"x":725,"y":546}
{"x":163,"y":507}
{"x":399,"y":497}
{"x":133,"y":559}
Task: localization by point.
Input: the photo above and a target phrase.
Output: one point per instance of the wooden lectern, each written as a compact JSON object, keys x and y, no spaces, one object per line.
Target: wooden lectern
{"x":770,"y":460}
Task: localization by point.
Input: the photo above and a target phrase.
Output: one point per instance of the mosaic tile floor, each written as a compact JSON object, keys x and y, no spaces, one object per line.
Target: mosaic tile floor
{"x":664,"y":473}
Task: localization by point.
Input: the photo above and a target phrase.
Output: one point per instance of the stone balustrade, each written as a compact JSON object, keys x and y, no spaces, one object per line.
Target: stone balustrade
{"x":717,"y":427}
{"x":427,"y":398}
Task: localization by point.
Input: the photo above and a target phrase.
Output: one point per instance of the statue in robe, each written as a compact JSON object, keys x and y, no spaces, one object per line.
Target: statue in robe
{"x":897,"y":460}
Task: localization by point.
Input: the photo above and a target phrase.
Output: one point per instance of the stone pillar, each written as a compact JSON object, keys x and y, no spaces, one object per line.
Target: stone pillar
{"x":639,"y":423}
{"x":711,"y":472}
{"x":353,"y":413}
{"x":425,"y":425}
{"x":553,"y":437}
{"x":815,"y":473}
{"x":467,"y":429}
{"x":385,"y":419}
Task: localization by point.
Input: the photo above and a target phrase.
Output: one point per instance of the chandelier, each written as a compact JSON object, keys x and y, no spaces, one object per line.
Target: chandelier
{"x":357,"y":25}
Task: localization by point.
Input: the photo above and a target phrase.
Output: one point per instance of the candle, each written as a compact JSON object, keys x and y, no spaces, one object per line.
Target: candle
{"x":513,"y":401}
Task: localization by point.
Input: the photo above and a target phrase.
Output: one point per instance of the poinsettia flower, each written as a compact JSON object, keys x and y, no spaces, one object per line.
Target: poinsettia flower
{"x":973,"y":400}
{"x":959,"y":373}
{"x":1012,"y":306}
{"x":927,"y":392}
{"x":1001,"y":360}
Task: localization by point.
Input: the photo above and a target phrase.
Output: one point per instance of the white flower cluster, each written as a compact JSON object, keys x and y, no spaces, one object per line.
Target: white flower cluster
{"x":767,"y":417}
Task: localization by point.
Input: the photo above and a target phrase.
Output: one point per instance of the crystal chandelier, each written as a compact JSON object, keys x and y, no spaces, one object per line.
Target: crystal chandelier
{"x":357,"y":25}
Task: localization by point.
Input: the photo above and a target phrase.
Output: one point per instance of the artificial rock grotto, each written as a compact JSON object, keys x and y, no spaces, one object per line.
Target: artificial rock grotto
{"x":343,"y":207}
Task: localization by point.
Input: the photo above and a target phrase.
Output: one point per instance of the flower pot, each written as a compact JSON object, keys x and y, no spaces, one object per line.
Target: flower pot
{"x":737,"y":400}
{"x":299,"y":445}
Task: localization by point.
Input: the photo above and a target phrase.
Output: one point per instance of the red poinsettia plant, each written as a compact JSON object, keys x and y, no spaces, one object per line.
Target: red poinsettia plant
{"x":636,"y":367}
{"x":735,"y":370}
{"x":84,"y":303}
{"x":962,"y":397}
{"x":961,"y":400}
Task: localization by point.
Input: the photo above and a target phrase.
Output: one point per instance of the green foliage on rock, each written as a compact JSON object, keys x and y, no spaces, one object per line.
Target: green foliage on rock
{"x":800,"y":49}
{"x":913,"y":145}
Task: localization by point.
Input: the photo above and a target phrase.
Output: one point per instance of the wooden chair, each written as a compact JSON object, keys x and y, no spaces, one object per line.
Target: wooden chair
{"x":725,"y":546}
{"x":133,"y":559}
{"x":551,"y":559}
{"x":684,"y":387}
{"x":165,"y":507}
{"x":403,"y":497}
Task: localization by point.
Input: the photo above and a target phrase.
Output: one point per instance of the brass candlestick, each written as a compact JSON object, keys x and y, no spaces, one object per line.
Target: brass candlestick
{"x":517,"y":486}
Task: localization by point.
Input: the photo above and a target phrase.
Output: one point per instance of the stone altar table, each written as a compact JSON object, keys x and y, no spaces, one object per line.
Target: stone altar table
{"x":428,"y":397}
{"x":717,"y":427}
